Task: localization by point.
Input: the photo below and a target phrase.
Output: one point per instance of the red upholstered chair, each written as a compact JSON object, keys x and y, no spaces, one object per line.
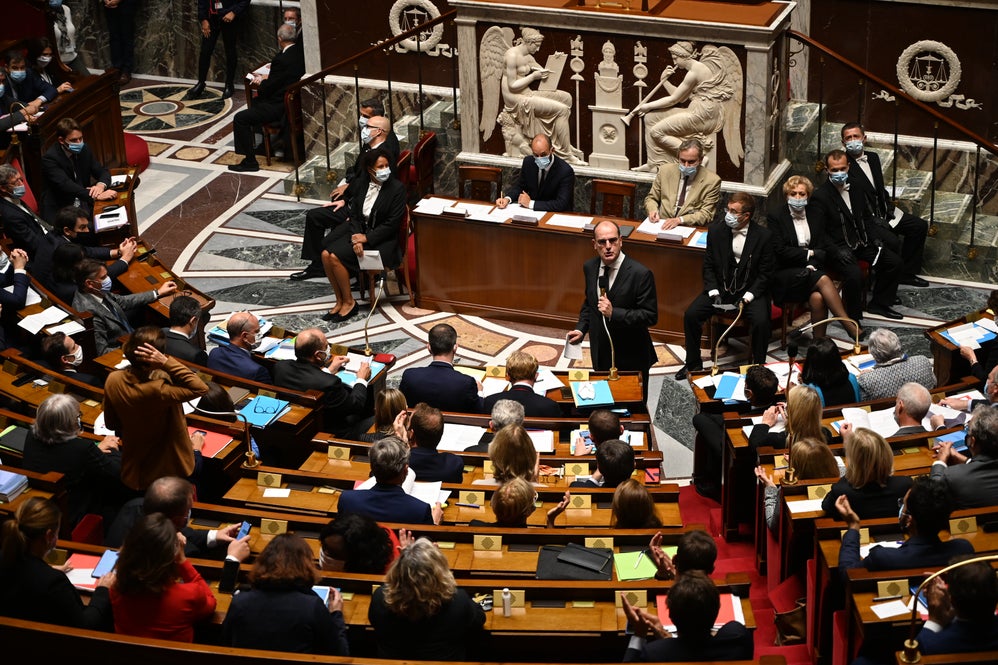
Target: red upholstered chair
{"x":403,"y":168}
{"x":136,"y":152}
{"x":90,"y":530}
{"x":402,"y":270}
{"x":421,"y":171}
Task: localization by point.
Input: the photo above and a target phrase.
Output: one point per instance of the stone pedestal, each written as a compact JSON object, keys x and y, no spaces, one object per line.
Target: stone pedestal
{"x":609,"y":148}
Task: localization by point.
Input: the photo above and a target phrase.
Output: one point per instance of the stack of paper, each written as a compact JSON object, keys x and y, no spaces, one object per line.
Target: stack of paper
{"x":543,"y":440}
{"x":11,"y":485}
{"x":432,"y":205}
{"x":973,"y":334}
{"x":545,"y":381}
{"x":592,"y":393}
{"x":46,"y":317}
{"x":263,"y":410}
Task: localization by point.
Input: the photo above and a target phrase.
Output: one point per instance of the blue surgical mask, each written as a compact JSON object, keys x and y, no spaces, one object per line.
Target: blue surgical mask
{"x":854,"y":148}
{"x":292,"y":23}
{"x":731,"y":219}
{"x":18,"y":191}
{"x":839,"y":178}
{"x":105,"y":284}
{"x":363,"y":121}
{"x":365,"y":135}
{"x":382,"y":175}
{"x":55,"y":4}
{"x":543,"y":162}
{"x":687,"y":171}
{"x":19,"y":75}
{"x":76,"y":147}
{"x":796,"y":204}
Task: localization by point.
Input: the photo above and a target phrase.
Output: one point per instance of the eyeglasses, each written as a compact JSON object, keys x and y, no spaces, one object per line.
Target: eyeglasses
{"x":266,"y":410}
{"x":607,"y":241}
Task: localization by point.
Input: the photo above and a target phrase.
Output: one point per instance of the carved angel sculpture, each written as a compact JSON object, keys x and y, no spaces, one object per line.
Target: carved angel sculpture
{"x":713,"y":87}
{"x":509,"y":68}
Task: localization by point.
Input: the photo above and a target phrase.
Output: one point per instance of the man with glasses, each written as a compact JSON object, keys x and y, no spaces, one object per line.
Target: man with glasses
{"x":236,"y":357}
{"x":737,"y":265}
{"x":685,"y":195}
{"x":620,"y":306}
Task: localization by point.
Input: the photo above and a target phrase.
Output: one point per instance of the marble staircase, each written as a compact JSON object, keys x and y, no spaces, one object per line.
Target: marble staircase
{"x":947,"y":248}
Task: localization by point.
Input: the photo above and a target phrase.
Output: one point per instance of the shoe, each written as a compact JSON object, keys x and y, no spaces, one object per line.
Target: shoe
{"x":886,"y":312}
{"x":915,"y":281}
{"x":685,"y":371}
{"x":329,"y":316}
{"x":227,"y":91}
{"x":245,"y":166}
{"x":350,"y":314}
{"x":307,"y":273}
{"x":125,"y":78}
{"x":196,"y":92}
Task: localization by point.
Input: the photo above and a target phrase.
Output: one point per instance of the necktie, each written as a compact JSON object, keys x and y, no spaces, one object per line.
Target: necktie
{"x":682,"y":194}
{"x":119,"y":315}
{"x":540,"y":183}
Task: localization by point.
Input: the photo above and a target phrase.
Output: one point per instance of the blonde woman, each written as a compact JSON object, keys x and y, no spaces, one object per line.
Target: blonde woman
{"x":810,"y":458}
{"x":419,"y":613}
{"x":870,"y":484}
{"x":802,"y":414}
{"x":513,"y":455}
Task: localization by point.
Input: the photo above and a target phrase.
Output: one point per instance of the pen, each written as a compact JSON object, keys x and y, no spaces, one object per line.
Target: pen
{"x":468,"y":505}
{"x":637,"y":561}
{"x":882,"y":598}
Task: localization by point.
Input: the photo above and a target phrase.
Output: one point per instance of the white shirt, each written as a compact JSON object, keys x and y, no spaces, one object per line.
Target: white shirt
{"x":373,"y":189}
{"x":844,"y":193}
{"x":614,"y":269}
{"x":864,"y":164}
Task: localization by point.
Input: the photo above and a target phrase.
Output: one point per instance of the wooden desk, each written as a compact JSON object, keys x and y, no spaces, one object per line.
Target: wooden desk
{"x":947,"y":363}
{"x":534,"y":274}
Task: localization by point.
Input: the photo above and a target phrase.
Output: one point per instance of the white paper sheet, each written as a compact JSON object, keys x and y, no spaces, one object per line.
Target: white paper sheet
{"x":371,"y":260}
{"x":892,"y":609}
{"x":492,"y":385}
{"x":804,"y":506}
{"x":460,"y":437}
{"x":31,"y":297}
{"x":69,"y":328}
{"x":276,"y":493}
{"x":572,"y":351}
{"x":543,"y":440}
{"x":569,"y":221}
{"x":46,"y":317}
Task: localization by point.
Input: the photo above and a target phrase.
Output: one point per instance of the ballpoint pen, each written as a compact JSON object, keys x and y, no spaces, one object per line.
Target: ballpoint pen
{"x":637,"y":561}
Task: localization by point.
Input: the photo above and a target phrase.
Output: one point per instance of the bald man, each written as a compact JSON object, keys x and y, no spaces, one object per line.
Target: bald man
{"x":546,"y":182}
{"x":345,"y":407}
{"x":236,"y":358}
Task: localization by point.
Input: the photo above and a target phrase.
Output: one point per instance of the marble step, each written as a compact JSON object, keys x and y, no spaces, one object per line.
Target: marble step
{"x":950,"y":215}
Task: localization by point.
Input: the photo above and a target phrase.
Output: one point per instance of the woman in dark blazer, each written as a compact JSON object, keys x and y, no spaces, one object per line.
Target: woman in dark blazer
{"x":376,"y":212}
{"x":800,"y":245}
{"x":869,"y":483}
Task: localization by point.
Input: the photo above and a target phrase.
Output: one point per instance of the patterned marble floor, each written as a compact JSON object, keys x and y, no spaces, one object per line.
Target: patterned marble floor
{"x":237,"y":237}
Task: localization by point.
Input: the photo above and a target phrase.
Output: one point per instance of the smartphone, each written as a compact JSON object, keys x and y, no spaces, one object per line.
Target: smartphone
{"x":106,"y":564}
{"x":243,"y":402}
{"x":243,"y":530}
{"x":201,"y":432}
{"x":20,"y":381}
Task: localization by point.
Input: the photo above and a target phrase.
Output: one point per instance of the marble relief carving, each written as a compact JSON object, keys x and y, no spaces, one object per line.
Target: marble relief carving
{"x":930,"y":71}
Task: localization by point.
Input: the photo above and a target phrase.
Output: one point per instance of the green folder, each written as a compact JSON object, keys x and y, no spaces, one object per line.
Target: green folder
{"x":625,"y":562}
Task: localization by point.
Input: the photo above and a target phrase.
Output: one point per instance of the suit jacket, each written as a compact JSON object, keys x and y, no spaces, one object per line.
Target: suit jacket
{"x":205,"y":11}
{"x":884,"y":381}
{"x":65,"y":182}
{"x":110,"y":315}
{"x":11,"y":301}
{"x":340,"y":402}
{"x":972,"y":485}
{"x":846,"y":229}
{"x":148,"y":415}
{"x":558,"y":191}
{"x":168,"y":615}
{"x":35,"y":591}
{"x":431,"y":466}
{"x":787,"y":250}
{"x":635,"y":309}
{"x":916,"y":552}
{"x":960,"y":636}
{"x":237,"y":361}
{"x":875,"y":191}
{"x":442,"y":386}
{"x":357,"y":175}
{"x":179,"y":346}
{"x":869,"y":502}
{"x":289,"y":619}
{"x":286,"y":68}
{"x":385,"y":503}
{"x":26,"y":229}
{"x":31,"y":88}
{"x":732,"y":279}
{"x":382,"y":226}
{"x":133,"y":511}
{"x":702,"y":194}
{"x":733,"y":641}
{"x":41,"y":261}
{"x":534,"y":405}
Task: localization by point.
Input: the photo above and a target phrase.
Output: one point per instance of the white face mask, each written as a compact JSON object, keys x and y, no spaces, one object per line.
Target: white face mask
{"x":77,"y":356}
{"x":44,"y":59}
{"x":105,"y":284}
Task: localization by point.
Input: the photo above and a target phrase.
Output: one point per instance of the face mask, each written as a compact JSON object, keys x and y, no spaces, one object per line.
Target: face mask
{"x":19,"y":75}
{"x":18,"y":191}
{"x":542,"y":162}
{"x":77,"y":356}
{"x":292,"y":23}
{"x":363,"y":121}
{"x":839,"y":178}
{"x":687,"y":171}
{"x":731,"y":219}
{"x":105,"y":284}
{"x":382,"y":175}
{"x":796,"y":204}
{"x":365,"y":135}
{"x":255,"y":344}
{"x":44,"y":60}
{"x":55,"y":4}
{"x":76,"y":148}
{"x":854,"y":148}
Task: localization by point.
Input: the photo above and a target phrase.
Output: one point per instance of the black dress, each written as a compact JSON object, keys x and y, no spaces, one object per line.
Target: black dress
{"x":381,"y":226}
{"x":792,"y":280}
{"x":444,"y":636}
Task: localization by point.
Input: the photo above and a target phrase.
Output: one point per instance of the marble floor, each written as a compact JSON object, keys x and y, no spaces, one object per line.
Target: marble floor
{"x":237,"y":237}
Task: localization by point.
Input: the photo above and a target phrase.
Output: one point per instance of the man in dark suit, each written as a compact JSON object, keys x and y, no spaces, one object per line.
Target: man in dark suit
{"x":110,"y":310}
{"x":856,"y":237}
{"x":72,"y":225}
{"x":737,"y":266}
{"x":68,"y":168}
{"x":376,"y":133}
{"x":426,"y":427}
{"x":620,"y":305}
{"x":268,"y":105}
{"x":61,"y":353}
{"x":343,"y":406}
{"x":386,"y":501}
{"x":910,"y":407}
{"x":26,"y":86}
{"x":924,"y":513}
{"x":521,"y":370}
{"x":694,"y":603}
{"x":13,"y":276}
{"x":546,"y":181}
{"x":26,"y":229}
{"x":614,"y":465}
{"x":439,"y":384}
{"x":973,"y":482}
{"x":866,"y":171}
{"x":235,"y":357}
{"x":185,"y":317}
{"x":218,"y":17}
{"x":961,"y":611}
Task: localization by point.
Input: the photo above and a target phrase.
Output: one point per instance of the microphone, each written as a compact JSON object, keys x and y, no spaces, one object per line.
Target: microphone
{"x":791,"y":357}
{"x":604,"y":286}
{"x":251,"y":460}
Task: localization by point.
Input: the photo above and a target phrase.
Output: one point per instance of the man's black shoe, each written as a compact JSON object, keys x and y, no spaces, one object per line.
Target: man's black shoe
{"x":227,"y":91}
{"x":307,"y":273}
{"x":886,"y":312}
{"x":196,"y":92}
{"x":707,"y":489}
{"x":684,"y":372}
{"x":915,"y":281}
{"x":245,"y":166}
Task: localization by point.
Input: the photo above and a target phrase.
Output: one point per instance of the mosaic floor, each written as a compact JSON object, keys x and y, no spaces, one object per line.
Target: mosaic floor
{"x":237,"y":237}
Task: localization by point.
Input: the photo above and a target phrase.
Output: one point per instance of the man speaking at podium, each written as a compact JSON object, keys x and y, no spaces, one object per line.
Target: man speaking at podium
{"x":620,"y":302}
